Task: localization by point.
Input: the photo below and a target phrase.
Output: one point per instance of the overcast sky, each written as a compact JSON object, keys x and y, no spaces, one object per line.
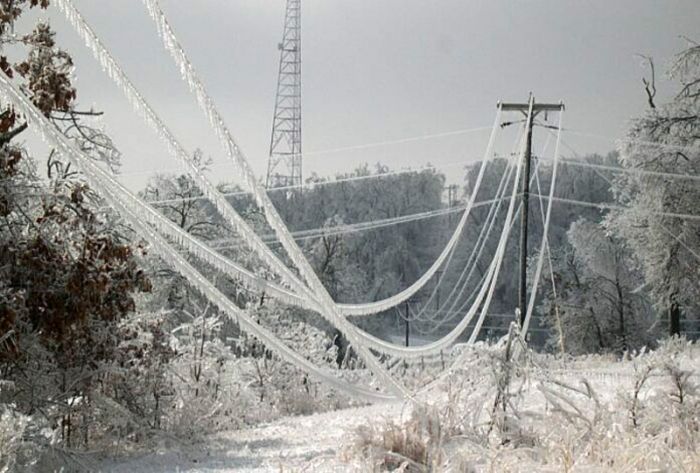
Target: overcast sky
{"x":377,"y":70}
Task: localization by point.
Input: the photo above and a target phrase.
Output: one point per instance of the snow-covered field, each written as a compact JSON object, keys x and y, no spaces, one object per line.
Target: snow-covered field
{"x":575,"y":414}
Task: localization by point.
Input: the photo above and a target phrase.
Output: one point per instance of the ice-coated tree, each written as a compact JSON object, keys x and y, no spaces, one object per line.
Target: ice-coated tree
{"x":330,"y":259}
{"x":665,"y":139}
{"x":388,"y":258}
{"x":67,"y":275}
{"x":598,"y":305}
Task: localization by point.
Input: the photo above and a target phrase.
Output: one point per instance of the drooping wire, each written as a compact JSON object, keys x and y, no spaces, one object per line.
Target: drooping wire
{"x":318,"y":295}
{"x":545,"y":230}
{"x":110,"y":190}
{"x":477,"y":248}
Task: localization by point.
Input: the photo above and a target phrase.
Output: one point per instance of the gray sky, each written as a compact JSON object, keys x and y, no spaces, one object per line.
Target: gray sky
{"x":380,"y":70}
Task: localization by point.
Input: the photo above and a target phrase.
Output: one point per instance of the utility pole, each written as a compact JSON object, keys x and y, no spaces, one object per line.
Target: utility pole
{"x":525,"y":213}
{"x":407,"y":317}
{"x":530,"y":109}
{"x":438,"y":277}
{"x":408,"y":324}
{"x":451,"y":197}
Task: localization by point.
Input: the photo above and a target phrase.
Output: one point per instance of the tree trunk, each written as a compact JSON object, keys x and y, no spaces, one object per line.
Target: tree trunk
{"x":621,"y":315}
{"x":674,"y":315}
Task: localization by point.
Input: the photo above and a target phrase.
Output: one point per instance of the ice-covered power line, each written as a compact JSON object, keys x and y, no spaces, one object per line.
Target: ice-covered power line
{"x":620,"y":169}
{"x":228,"y":212}
{"x":606,"y":206}
{"x":487,"y":289}
{"x":545,"y":231}
{"x":233,"y":151}
{"x":318,"y":293}
{"x":275,"y":221}
{"x":321,"y":183}
{"x":320,"y":232}
{"x":652,"y":144}
{"x":411,"y":139}
{"x":139,"y":104}
{"x":477,"y":248}
{"x":471,"y":263}
{"x":312,"y":185}
{"x":552,"y":279}
{"x":680,"y":242}
{"x":481,"y":302}
{"x":452,"y":311}
{"x":320,"y":180}
{"x":581,"y":162}
{"x":154,"y":237}
{"x":425,"y":137}
{"x":325,"y":310}
{"x":110,"y":190}
{"x":374,"y":307}
{"x":430,"y":167}
{"x":358,"y":147}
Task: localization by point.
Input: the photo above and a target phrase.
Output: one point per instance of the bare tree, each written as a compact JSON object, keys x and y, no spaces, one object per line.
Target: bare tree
{"x":649,"y":84}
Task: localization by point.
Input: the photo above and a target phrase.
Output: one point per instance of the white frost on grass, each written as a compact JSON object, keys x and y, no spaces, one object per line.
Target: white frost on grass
{"x":563,"y":414}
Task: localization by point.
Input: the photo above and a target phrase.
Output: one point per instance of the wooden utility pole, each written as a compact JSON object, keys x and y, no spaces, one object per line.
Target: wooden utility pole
{"x":674,"y":315}
{"x":451,"y":197}
{"x":438,"y":278}
{"x":408,"y":324}
{"x":407,"y":317}
{"x":530,"y":110}
{"x":524,"y":214}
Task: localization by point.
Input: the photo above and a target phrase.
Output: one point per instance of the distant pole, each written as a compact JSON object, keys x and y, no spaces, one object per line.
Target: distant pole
{"x":674,"y":313}
{"x":437,"y":289}
{"x":408,"y":330}
{"x":451,"y":197}
{"x":530,"y":109}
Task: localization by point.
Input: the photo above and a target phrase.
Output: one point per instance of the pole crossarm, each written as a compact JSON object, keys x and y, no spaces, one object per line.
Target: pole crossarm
{"x":536,"y":107}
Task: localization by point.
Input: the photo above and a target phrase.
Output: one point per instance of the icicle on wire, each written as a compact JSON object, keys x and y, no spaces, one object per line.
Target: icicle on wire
{"x":141,"y":106}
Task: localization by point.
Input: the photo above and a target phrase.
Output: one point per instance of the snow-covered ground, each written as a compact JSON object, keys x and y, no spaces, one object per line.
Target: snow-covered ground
{"x":310,"y":443}
{"x":555,"y":400}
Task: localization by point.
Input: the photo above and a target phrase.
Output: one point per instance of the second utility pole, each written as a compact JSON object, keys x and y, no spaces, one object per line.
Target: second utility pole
{"x":530,"y":109}
{"x":408,"y":323}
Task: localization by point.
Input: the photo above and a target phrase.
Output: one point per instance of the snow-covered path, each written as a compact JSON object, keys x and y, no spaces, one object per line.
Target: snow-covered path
{"x":310,"y":443}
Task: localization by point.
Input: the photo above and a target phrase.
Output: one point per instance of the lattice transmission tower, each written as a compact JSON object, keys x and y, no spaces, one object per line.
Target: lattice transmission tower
{"x":284,"y":165}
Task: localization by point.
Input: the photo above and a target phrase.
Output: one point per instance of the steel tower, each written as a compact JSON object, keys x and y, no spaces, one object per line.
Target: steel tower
{"x":284,"y":165}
